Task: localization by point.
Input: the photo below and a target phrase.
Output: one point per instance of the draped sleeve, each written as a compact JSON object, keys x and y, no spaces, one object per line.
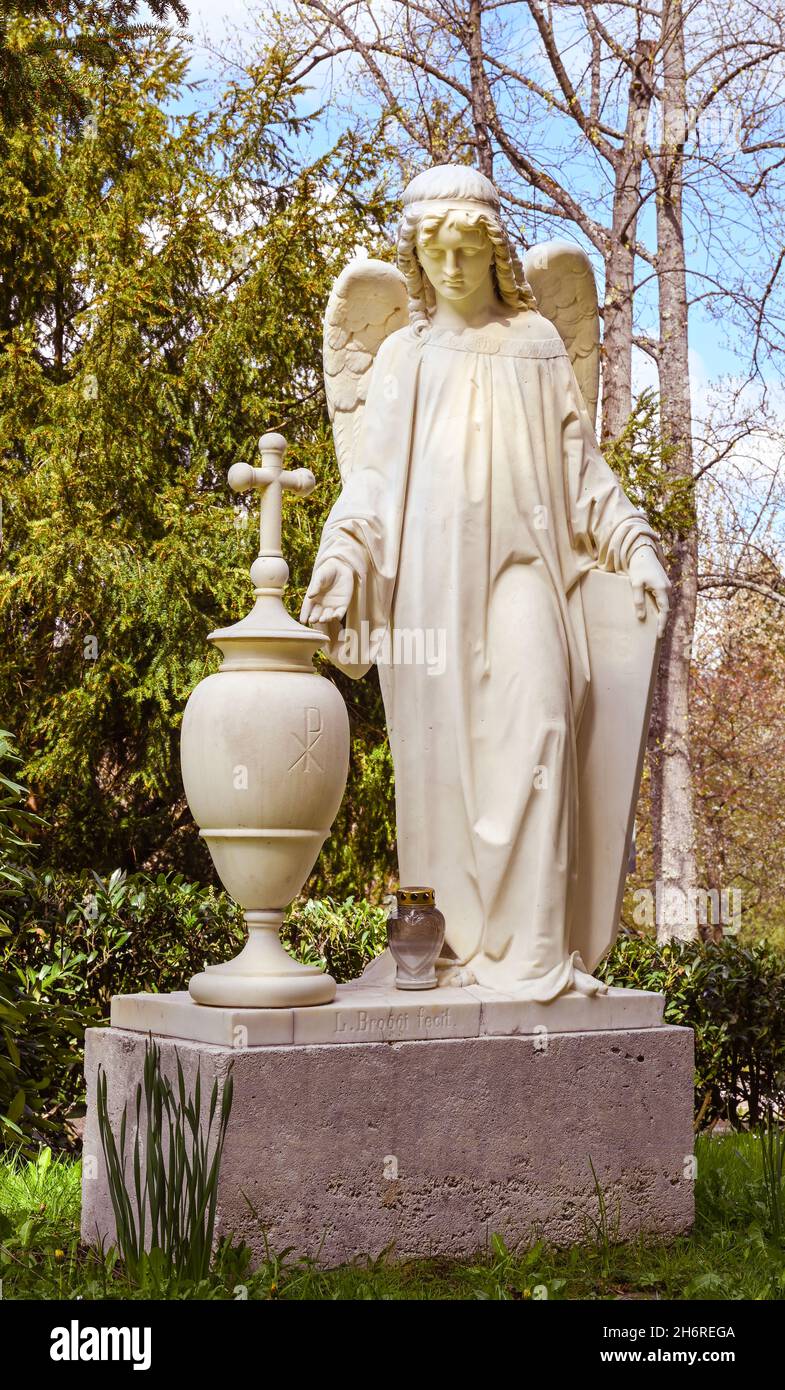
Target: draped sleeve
{"x":364,"y":526}
{"x":605,"y":527}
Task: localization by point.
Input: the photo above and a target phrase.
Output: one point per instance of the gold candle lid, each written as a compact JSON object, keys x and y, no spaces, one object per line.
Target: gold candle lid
{"x":422,"y":897}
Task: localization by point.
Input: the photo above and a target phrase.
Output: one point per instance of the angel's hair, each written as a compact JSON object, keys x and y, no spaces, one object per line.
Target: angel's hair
{"x":451,"y":183}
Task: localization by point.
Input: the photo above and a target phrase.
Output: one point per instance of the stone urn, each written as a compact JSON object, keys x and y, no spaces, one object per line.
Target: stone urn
{"x":265,"y":754}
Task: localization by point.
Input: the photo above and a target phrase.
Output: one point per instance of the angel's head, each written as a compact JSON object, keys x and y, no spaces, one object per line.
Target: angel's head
{"x":452,"y":239}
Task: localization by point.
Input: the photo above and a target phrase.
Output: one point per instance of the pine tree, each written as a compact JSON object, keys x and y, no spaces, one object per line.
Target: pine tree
{"x":46,"y":49}
{"x":163,"y":284}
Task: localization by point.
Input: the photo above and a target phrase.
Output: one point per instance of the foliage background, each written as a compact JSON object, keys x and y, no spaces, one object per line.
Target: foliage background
{"x":165,"y":279}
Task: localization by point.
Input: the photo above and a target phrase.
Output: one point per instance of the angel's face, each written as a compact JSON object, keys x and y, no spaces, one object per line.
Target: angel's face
{"x":455,"y":253}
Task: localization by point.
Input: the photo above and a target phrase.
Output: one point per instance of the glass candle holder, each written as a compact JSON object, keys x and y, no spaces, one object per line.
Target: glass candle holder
{"x":415,"y":934}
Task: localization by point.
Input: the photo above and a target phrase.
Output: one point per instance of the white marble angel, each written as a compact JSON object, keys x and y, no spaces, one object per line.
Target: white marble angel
{"x":474,"y":502}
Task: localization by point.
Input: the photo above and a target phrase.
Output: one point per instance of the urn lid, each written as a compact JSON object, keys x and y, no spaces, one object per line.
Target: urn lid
{"x":269,"y":637}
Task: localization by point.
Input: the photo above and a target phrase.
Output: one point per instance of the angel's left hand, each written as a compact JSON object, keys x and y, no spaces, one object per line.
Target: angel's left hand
{"x":646,"y":573}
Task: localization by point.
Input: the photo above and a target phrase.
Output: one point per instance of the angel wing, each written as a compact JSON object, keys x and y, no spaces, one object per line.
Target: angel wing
{"x":367,"y":302}
{"x":562,"y":279}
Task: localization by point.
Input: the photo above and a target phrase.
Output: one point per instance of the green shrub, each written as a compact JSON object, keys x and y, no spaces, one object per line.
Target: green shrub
{"x":733,"y":997}
{"x":41,"y":1055}
{"x":16,"y":825}
{"x":340,"y":937}
{"x":127,"y":933}
{"x":38,"y":1034}
{"x":135,"y":933}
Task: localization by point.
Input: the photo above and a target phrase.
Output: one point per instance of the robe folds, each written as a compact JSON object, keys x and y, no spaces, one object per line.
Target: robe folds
{"x":477,"y":500}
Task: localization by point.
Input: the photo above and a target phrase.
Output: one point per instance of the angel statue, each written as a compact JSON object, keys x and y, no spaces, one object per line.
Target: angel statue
{"x":476,"y":505}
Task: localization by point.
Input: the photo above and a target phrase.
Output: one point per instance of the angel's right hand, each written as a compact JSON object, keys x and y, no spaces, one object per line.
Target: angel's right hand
{"x":329,"y":592}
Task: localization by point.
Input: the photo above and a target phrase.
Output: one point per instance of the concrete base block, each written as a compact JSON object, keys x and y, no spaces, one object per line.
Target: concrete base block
{"x":429,"y":1146}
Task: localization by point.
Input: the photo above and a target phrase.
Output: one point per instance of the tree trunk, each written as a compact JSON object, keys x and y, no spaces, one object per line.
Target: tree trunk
{"x":478,"y":79}
{"x":620,"y":259}
{"x":673,"y":826}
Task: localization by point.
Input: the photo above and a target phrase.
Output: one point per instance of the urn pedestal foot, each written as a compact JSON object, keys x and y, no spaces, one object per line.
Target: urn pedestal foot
{"x":263,"y":976}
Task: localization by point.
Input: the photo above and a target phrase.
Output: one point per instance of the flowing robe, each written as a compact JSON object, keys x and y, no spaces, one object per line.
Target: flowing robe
{"x":477,"y":500}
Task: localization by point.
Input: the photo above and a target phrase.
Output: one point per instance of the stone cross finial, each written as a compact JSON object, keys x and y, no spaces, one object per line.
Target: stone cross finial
{"x":269,"y":570}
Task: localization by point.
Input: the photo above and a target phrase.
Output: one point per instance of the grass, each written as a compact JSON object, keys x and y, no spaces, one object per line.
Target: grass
{"x":734,"y":1251}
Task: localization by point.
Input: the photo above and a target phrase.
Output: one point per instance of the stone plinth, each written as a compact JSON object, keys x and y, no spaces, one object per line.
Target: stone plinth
{"x":378,"y":1012}
{"x":344,"y":1148}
